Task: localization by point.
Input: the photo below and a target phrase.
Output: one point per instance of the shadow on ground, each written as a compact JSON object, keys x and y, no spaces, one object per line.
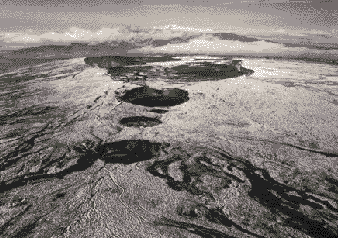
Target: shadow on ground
{"x":200,"y":171}
{"x":280,"y":199}
{"x":192,"y":228}
{"x":87,"y":152}
{"x":152,"y":97}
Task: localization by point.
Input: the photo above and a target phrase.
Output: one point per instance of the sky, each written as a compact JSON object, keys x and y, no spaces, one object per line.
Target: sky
{"x":34,"y":22}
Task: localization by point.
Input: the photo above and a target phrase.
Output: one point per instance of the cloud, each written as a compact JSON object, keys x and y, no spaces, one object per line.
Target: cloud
{"x":104,"y":34}
{"x":211,"y":44}
{"x":167,"y":39}
{"x":74,"y":34}
{"x":181,"y":28}
{"x":157,"y":36}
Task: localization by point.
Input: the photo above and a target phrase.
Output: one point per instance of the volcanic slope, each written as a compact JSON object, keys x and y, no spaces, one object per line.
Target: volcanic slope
{"x":210,"y":160}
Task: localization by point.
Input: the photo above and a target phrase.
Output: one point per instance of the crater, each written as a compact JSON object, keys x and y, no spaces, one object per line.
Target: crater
{"x":153,"y":97}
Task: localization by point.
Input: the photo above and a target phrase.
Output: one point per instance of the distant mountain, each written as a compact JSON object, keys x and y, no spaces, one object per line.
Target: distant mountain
{"x":70,"y":51}
{"x":75,"y":50}
{"x":13,"y":58}
{"x":108,"y":48}
{"x":319,"y":46}
{"x":10,"y":60}
{"x":233,"y":37}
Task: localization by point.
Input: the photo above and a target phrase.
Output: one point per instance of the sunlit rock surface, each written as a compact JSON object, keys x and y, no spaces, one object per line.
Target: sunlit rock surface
{"x":85,"y":154}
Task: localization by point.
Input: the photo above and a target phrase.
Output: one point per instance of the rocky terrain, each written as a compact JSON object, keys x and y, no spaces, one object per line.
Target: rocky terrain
{"x":84,"y":155}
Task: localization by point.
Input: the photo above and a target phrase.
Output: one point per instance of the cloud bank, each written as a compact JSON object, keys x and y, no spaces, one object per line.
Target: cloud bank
{"x":171,"y":39}
{"x":105,"y":34}
{"x":210,"y":44}
{"x":73,"y":35}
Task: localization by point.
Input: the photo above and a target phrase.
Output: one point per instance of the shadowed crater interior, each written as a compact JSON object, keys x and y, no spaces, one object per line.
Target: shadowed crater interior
{"x":138,"y":121}
{"x":205,"y":71}
{"x":152,"y":97}
{"x":161,"y":111}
